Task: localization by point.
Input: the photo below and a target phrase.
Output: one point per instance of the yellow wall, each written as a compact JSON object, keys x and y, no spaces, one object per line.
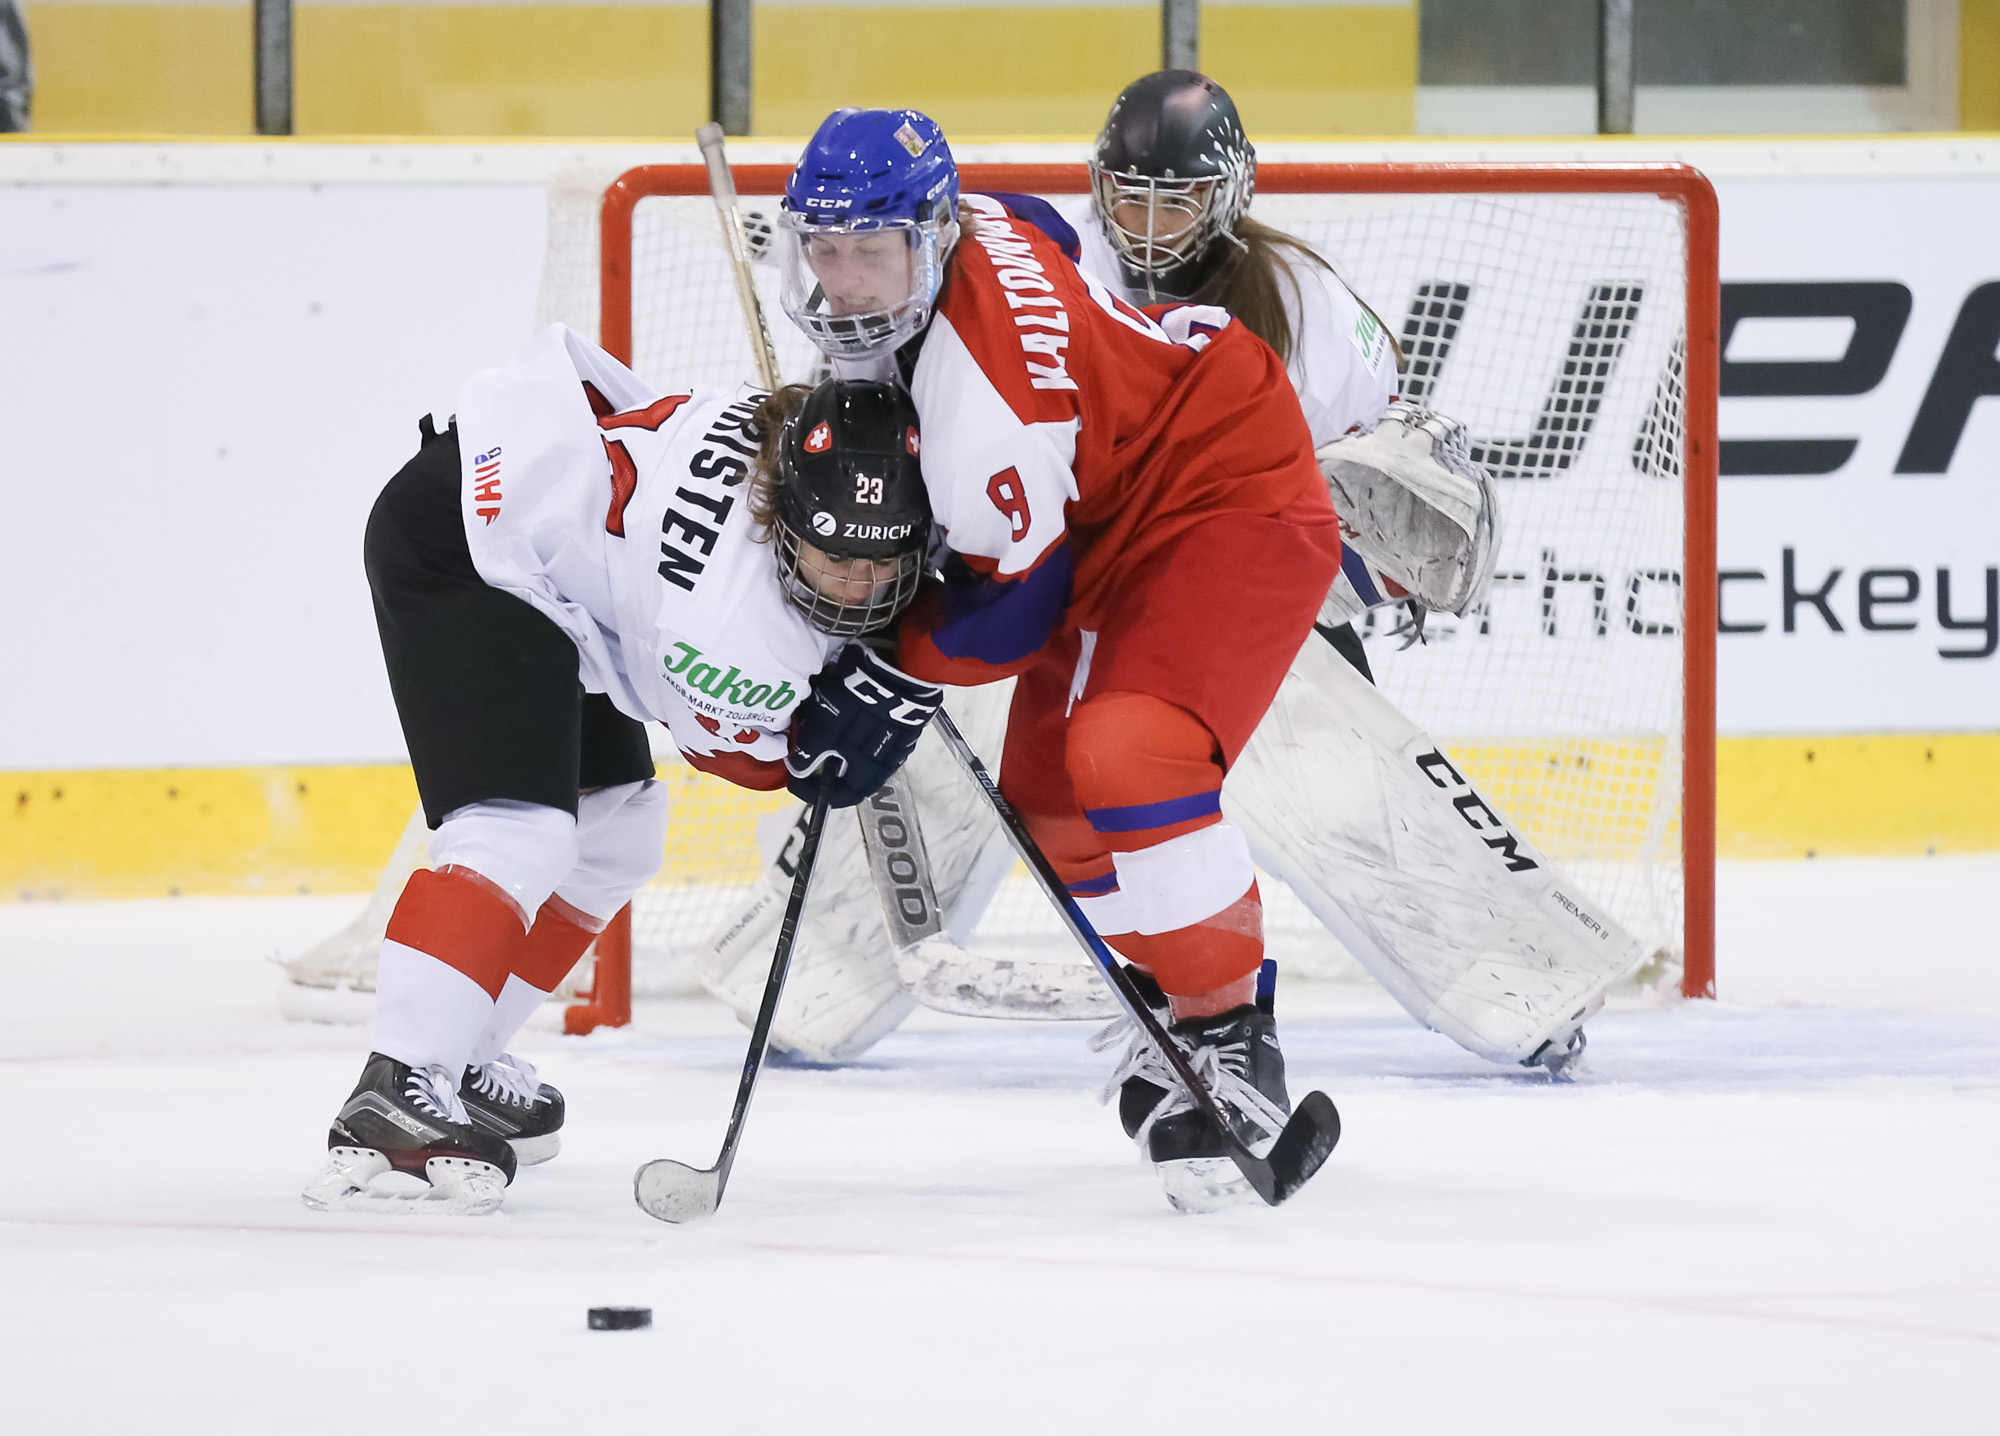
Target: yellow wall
{"x":1901,"y":793}
{"x":1295,"y":70}
{"x":501,"y":69}
{"x":1979,"y":64}
{"x":150,"y":832}
{"x":975,"y":69}
{"x":165,"y":66}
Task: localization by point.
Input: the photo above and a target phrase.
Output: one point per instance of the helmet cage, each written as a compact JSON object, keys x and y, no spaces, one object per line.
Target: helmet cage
{"x":805,"y":582}
{"x":870,"y":332}
{"x":1208,"y":207}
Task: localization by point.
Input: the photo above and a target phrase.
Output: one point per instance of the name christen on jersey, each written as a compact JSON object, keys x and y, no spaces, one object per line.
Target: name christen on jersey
{"x":1045,"y":324}
{"x":722,"y":463}
{"x":486,"y":484}
{"x":733,"y":692}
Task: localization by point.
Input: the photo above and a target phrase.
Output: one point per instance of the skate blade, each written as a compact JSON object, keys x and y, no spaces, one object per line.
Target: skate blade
{"x":676,"y":1192}
{"x":533,"y":1151}
{"x":458,"y":1186}
{"x":1200,"y":1185}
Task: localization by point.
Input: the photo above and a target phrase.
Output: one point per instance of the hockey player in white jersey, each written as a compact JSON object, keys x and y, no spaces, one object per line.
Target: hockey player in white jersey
{"x":579,"y":555}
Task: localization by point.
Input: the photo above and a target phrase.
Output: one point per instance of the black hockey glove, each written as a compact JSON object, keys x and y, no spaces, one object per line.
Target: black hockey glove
{"x":857,"y":726}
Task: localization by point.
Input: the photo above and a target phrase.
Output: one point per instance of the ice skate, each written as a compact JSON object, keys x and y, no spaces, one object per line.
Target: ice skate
{"x":502,"y":1097}
{"x":409,"y":1121}
{"x":1141,"y":1080}
{"x":1562,"y":1056}
{"x":1236,"y":1053}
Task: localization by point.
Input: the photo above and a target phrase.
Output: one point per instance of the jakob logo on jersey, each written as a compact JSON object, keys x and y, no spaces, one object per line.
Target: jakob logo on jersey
{"x":732,"y":690}
{"x":820,"y":439}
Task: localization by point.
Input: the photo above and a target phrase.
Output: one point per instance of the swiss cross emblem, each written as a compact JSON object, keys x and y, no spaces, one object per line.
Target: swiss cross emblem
{"x":912,"y":442}
{"x":819,"y":439}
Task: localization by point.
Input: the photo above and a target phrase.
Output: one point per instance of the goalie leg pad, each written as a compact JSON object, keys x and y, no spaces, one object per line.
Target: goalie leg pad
{"x":1475,"y":931}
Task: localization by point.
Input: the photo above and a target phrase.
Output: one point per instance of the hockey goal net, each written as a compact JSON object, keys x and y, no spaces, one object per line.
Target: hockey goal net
{"x":1566,"y":313}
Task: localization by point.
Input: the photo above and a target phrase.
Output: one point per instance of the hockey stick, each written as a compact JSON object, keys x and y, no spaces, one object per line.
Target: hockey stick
{"x":900,"y":870}
{"x":674,"y":1191}
{"x":722,"y":185}
{"x":1308,"y":1138}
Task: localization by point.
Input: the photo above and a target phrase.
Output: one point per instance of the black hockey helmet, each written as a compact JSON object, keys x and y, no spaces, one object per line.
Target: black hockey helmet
{"x":852,"y":517}
{"x":1170,"y":175}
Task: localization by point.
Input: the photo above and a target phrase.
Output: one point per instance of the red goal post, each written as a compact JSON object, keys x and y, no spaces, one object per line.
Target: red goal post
{"x":1679,"y":185}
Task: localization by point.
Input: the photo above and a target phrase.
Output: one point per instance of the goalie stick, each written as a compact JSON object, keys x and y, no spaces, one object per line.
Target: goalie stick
{"x":1308,"y":1138}
{"x":674,"y":1191}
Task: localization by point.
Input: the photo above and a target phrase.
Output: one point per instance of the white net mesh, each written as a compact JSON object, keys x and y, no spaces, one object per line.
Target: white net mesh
{"x":1551,"y":325}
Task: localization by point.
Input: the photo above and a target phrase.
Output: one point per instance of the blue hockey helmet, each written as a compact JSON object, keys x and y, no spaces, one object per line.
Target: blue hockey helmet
{"x":869,"y":218}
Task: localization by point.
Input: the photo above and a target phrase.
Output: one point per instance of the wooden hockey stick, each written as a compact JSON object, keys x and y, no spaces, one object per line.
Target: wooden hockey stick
{"x":1308,"y":1138}
{"x":722,"y":185}
{"x":674,"y":1191}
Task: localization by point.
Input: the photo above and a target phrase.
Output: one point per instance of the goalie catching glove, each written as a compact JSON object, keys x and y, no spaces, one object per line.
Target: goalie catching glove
{"x":1415,"y":507}
{"x":858,"y":725}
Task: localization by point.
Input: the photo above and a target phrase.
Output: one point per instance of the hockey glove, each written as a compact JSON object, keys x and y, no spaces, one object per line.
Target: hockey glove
{"x":856,"y":727}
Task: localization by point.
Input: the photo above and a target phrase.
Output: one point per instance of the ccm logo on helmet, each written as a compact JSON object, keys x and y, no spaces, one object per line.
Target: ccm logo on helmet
{"x":819,"y":439}
{"x":815,"y":202}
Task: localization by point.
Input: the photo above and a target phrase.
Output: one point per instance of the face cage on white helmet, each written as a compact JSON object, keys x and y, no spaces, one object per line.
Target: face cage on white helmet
{"x":886,"y":599}
{"x":857,"y":336}
{"x":1211,"y":204}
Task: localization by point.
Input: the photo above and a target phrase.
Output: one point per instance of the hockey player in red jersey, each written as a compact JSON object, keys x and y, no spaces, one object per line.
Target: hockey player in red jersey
{"x":1133,"y":524}
{"x":576,"y":556}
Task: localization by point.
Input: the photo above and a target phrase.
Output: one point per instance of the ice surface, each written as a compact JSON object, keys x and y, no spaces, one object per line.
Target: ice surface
{"x":1769,"y":1214}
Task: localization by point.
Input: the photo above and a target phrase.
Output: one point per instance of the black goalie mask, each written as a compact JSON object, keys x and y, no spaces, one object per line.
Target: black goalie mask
{"x":1170,"y":176}
{"x":852,"y":518}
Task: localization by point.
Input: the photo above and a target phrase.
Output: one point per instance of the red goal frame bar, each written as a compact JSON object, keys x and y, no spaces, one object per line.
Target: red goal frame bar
{"x":1680,"y":184}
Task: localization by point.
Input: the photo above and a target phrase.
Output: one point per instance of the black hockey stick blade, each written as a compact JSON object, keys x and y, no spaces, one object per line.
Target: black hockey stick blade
{"x":1301,"y":1149}
{"x":674,"y":1191}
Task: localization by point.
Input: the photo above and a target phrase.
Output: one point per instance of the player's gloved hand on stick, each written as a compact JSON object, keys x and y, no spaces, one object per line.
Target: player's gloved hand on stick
{"x":857,"y":726}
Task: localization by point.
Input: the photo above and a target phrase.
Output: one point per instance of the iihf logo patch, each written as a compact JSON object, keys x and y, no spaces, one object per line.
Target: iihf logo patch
{"x":911,"y":442}
{"x":824,"y":523}
{"x":820,"y":439}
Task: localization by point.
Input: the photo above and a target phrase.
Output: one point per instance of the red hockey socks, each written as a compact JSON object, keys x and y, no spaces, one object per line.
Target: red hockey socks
{"x":448,"y":953}
{"x":1173,"y":883}
{"x":541,"y":961}
{"x":1195,"y":960}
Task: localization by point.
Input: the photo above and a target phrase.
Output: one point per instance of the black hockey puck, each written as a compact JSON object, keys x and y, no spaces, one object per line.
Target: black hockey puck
{"x":620,"y":1318}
